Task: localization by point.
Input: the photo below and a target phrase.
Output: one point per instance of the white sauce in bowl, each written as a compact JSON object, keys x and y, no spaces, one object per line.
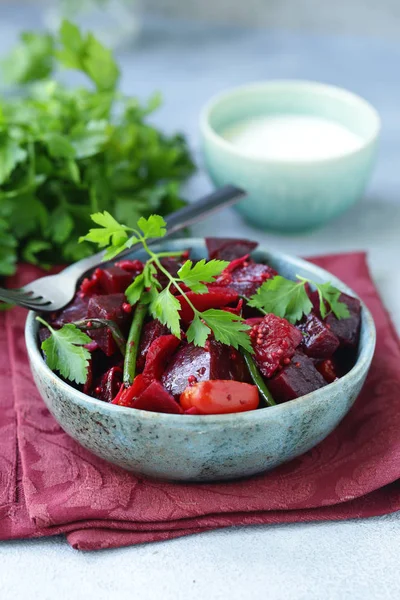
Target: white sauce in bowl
{"x":292,"y":137}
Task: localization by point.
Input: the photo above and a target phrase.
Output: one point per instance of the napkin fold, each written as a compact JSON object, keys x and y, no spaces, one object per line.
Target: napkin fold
{"x":50,"y":485}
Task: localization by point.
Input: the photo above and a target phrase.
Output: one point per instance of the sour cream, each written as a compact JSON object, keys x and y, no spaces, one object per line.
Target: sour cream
{"x":292,"y":137}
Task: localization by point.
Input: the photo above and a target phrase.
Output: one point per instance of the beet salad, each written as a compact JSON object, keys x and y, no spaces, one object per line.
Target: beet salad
{"x":176,"y":335}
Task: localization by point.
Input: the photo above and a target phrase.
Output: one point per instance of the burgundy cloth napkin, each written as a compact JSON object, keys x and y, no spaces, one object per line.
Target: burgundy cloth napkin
{"x":50,"y":485}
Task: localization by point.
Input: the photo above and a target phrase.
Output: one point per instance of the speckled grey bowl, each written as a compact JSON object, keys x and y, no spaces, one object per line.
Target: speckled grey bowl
{"x":205,"y":448}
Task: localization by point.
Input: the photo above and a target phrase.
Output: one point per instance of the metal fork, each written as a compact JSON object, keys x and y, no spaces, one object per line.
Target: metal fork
{"x":53,"y":292}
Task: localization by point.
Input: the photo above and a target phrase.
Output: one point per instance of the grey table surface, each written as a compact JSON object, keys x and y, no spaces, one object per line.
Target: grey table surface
{"x":353,"y":559}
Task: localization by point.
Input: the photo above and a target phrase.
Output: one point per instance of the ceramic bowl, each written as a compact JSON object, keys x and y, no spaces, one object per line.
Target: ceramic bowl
{"x":290,"y":195}
{"x":210,"y":447}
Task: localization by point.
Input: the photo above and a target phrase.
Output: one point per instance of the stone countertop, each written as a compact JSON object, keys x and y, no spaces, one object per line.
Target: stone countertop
{"x":329,"y":561}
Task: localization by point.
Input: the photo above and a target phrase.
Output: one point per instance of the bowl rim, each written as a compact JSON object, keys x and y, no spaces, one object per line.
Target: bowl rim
{"x":93,"y":404}
{"x":208,"y":132}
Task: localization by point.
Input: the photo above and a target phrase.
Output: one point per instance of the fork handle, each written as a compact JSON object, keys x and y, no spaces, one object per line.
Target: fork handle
{"x":188,"y":215}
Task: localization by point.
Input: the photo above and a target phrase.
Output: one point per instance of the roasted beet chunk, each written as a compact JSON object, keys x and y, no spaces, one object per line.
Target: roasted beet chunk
{"x":318,"y":339}
{"x":87,"y":386}
{"x":156,"y":399}
{"x":192,"y":364}
{"x":247,"y":279}
{"x":151,"y":331}
{"x":274,"y":341}
{"x":74,"y":311}
{"x":44,"y":333}
{"x":159,"y":353}
{"x":328,"y":369}
{"x":107,"y":307}
{"x":347,"y":330}
{"x":189,"y":365}
{"x":109,"y":385}
{"x":114,"y":280}
{"x":133,"y":266}
{"x":228,"y":248}
{"x":216,"y":297}
{"x":298,"y":378}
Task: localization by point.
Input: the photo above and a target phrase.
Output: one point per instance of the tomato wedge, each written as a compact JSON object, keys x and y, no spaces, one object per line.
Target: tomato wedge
{"x":218,"y":396}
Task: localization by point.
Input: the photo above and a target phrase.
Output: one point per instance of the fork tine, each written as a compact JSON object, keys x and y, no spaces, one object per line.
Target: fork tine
{"x":25,"y":300}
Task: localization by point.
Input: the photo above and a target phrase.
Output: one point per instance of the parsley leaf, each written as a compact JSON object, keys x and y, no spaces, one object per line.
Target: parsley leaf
{"x":228,"y":328}
{"x":327,"y":292}
{"x":88,"y":55}
{"x":282,"y":297}
{"x":110,"y":231}
{"x":152,"y":227}
{"x":8,"y":249}
{"x":165,"y":307}
{"x":135,"y":289}
{"x":198,"y":332}
{"x":11,"y":154}
{"x":32,"y":60}
{"x":194,"y":276}
{"x":289,"y":299}
{"x":65,"y":352}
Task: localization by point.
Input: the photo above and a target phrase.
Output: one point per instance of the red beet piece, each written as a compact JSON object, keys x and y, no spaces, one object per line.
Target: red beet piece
{"x":114,"y":280}
{"x":298,"y":378}
{"x":74,"y":311}
{"x":254,"y":321}
{"x":132,"y":266}
{"x":192,"y":364}
{"x":127,"y":396}
{"x":44,"y":333}
{"x":151,"y":331}
{"x":192,"y":411}
{"x":159,"y":353}
{"x":156,"y":399}
{"x":274,"y":341}
{"x":328,"y":370}
{"x":318,"y":340}
{"x":247,"y":279}
{"x":87,"y":386}
{"x":91,"y":285}
{"x":216,"y":297}
{"x":235,"y":310}
{"x":110,"y":384}
{"x":107,"y":307}
{"x":347,"y":330}
{"x":229,"y":248}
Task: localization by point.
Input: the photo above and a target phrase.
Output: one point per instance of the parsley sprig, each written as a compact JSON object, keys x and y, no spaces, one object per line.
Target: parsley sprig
{"x":226,"y":327}
{"x":289,"y":299}
{"x":65,"y":351}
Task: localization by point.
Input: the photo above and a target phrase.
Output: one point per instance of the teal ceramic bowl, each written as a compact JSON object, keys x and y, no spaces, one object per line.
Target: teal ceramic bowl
{"x":290,"y":195}
{"x":210,"y":447}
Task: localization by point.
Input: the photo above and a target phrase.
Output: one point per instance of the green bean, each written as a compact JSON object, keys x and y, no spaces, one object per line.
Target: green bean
{"x":258,"y":380}
{"x":132,"y":344}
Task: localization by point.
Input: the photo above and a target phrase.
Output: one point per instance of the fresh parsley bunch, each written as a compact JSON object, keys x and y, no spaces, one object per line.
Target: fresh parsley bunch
{"x":67,"y":153}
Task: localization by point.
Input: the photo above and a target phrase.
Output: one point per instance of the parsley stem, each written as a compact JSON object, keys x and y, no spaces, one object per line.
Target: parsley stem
{"x":155,"y":259}
{"x":258,"y":379}
{"x":45,"y":323}
{"x":93,"y":324}
{"x":132,"y":345}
